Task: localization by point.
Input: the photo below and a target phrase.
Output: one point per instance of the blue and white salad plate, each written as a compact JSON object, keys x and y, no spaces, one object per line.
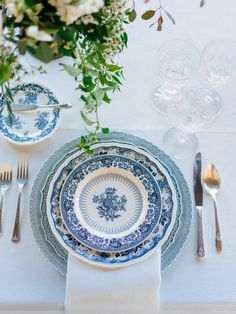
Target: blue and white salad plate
{"x":55,"y":241}
{"x":110,"y":203}
{"x":29,"y":127}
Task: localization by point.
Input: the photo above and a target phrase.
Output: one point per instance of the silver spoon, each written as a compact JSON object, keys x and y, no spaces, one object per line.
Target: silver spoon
{"x":211,"y":184}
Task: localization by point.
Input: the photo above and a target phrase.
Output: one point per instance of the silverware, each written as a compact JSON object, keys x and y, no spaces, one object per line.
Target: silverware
{"x":22,"y":178}
{"x":198,"y":193}
{"x":211,"y":184}
{"x":17,"y":107}
{"x":5,"y":182}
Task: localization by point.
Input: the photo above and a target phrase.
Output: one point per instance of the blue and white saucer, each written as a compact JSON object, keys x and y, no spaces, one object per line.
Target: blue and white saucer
{"x":110,"y":203}
{"x":29,"y":127}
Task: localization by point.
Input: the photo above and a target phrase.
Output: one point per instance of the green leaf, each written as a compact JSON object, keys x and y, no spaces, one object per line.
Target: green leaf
{"x":106,"y":99}
{"x":169,"y":16}
{"x":86,"y":119}
{"x":72,"y":71}
{"x":88,"y":150}
{"x":148,"y":14}
{"x":116,"y":79}
{"x":9,"y":93}
{"x":132,"y":15}
{"x":101,"y":58}
{"x":22,"y":46}
{"x":105,"y":130}
{"x":113,"y":67}
{"x":124,"y":38}
{"x":82,"y":140}
{"x":99,"y":94}
{"x":30,"y":3}
{"x":88,"y":80}
{"x":10,"y":114}
{"x":43,"y":52}
{"x":5,"y":74}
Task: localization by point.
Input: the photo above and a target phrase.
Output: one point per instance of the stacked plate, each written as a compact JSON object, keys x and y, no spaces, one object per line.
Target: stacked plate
{"x":112,"y":209}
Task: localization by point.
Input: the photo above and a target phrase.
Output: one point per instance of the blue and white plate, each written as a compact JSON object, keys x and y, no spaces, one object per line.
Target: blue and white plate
{"x":29,"y":127}
{"x":169,"y":215}
{"x":110,"y":203}
{"x":54,"y":240}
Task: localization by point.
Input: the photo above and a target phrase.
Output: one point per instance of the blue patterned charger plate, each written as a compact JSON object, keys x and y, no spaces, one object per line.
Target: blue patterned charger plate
{"x":110,"y":203}
{"x":55,"y":241}
{"x":29,"y":127}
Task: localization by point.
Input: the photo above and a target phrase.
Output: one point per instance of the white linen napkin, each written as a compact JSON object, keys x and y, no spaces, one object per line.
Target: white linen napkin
{"x":130,"y":290}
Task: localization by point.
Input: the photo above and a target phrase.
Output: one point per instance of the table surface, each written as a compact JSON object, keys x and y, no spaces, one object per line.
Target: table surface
{"x":27,"y":280}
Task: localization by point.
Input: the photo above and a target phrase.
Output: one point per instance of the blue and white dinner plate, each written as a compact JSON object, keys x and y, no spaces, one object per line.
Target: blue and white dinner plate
{"x":54,"y":240}
{"x":170,"y":206}
{"x":29,"y":127}
{"x":110,"y":203}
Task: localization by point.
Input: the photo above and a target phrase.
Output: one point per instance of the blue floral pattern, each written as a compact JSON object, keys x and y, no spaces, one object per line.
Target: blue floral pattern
{"x":110,"y":204}
{"x":29,"y":99}
{"x":81,"y":233}
{"x":15,"y":122}
{"x":43,"y":123}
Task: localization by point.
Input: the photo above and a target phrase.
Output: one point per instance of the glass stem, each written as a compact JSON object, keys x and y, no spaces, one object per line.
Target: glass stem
{"x":183,"y":137}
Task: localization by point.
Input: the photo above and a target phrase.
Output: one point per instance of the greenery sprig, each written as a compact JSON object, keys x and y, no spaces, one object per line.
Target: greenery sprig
{"x":155,"y":14}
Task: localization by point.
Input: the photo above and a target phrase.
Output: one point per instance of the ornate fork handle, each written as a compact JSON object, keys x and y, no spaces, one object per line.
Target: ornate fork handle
{"x":16,"y":230}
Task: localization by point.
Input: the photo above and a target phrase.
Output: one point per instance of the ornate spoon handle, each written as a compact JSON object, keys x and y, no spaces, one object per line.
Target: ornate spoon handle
{"x":218,"y":234}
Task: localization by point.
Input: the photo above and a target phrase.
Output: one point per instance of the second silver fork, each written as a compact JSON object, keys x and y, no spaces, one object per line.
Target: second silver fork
{"x":22,"y":178}
{"x":5,"y":182}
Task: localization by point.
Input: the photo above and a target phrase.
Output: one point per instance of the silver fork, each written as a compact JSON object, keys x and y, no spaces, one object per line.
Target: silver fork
{"x":22,"y":178}
{"x":5,"y":182}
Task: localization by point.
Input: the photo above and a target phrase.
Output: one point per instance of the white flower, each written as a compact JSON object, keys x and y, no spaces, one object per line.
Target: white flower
{"x":16,"y":8}
{"x":59,"y":3}
{"x":90,"y":6}
{"x":69,"y":13}
{"x":34,"y":32}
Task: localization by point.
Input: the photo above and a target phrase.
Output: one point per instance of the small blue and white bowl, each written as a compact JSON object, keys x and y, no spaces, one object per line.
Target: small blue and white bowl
{"x":29,"y":127}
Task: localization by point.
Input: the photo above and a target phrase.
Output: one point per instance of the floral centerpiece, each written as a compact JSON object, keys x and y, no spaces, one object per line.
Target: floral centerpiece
{"x":91,"y":32}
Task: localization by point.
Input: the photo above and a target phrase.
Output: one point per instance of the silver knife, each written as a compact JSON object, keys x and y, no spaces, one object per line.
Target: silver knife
{"x":198,"y":194}
{"x":30,"y":107}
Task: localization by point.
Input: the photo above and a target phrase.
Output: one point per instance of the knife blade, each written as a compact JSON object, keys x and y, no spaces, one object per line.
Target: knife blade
{"x":198,"y":194}
{"x":30,"y":107}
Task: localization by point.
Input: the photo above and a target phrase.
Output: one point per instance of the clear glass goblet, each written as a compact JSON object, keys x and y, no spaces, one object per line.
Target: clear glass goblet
{"x":218,"y":62}
{"x":192,"y":110}
{"x":177,"y":61}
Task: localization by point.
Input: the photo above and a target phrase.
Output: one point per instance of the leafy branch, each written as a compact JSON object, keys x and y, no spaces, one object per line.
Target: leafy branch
{"x":97,"y":74}
{"x":96,"y":79}
{"x":155,"y":14}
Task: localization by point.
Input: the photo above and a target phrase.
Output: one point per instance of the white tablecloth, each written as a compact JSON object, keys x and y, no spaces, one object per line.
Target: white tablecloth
{"x":27,"y":282}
